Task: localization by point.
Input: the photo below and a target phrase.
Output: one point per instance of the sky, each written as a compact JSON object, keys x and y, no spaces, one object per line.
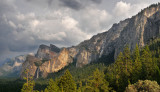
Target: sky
{"x":26,"y":24}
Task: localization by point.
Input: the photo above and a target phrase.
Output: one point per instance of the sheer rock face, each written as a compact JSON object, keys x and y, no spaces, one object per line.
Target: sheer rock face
{"x":46,"y":52}
{"x":56,"y":63}
{"x":30,"y":65}
{"x":90,"y":50}
{"x":46,"y":61}
{"x":139,"y":29}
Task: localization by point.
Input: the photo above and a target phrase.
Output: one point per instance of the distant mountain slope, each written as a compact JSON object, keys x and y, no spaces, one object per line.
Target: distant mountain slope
{"x":139,"y":29}
{"x":12,"y":67}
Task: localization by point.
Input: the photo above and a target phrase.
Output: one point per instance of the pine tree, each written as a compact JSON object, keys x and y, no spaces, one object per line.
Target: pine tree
{"x":119,"y":66}
{"x":119,"y":62}
{"x":136,"y":54}
{"x":52,"y":87}
{"x":125,"y":70}
{"x":66,"y":82}
{"x":146,"y":61}
{"x":80,"y":87}
{"x":28,"y":86}
{"x":46,"y":90}
{"x":97,"y":83}
{"x":115,"y":72}
{"x":137,"y":65}
{"x":127,"y":60}
{"x":149,"y":67}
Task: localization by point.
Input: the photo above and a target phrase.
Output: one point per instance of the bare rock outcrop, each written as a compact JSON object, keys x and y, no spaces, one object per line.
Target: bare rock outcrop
{"x":139,"y":29}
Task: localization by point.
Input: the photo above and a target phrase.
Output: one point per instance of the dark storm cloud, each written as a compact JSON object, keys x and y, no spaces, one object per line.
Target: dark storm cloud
{"x":79,"y":4}
{"x":73,"y":4}
{"x":97,"y":1}
{"x":48,"y":1}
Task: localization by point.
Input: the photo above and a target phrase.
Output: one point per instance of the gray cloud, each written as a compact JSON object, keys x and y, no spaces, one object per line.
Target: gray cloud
{"x":97,"y":1}
{"x":73,"y":4}
{"x":23,"y":29}
{"x":6,"y":7}
{"x":50,"y":2}
{"x":79,"y":4}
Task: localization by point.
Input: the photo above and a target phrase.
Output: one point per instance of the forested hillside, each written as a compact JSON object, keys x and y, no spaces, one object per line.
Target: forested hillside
{"x":129,"y":68}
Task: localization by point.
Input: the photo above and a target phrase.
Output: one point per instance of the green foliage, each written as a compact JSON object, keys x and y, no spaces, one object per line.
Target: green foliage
{"x":80,"y":87}
{"x":150,"y":69}
{"x":127,"y":61}
{"x":10,"y":85}
{"x":129,"y":68}
{"x":66,"y":82}
{"x":28,"y":87}
{"x":137,"y":65}
{"x":119,"y":74}
{"x":144,"y":86}
{"x":52,"y":87}
{"x":97,"y":83}
{"x":79,"y":74}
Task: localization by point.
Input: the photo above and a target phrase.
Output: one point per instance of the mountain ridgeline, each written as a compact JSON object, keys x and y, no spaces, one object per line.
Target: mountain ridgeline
{"x":140,"y":29}
{"x":12,"y":67}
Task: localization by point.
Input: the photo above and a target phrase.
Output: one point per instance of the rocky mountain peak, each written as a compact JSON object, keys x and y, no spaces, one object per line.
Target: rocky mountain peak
{"x":139,"y":29}
{"x":54,"y":48}
{"x":42,"y":46}
{"x":151,"y":10}
{"x":47,"y":52}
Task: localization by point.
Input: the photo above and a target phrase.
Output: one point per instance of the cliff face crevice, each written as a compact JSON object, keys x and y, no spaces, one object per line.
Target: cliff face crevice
{"x":139,"y":29}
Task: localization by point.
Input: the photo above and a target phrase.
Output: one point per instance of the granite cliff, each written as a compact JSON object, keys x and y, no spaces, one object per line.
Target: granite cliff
{"x":139,"y":29}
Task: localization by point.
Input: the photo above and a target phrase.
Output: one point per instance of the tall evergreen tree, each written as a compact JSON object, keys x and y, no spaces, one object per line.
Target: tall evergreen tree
{"x":119,"y":62}
{"x":127,"y":60}
{"x":66,"y":82}
{"x":149,"y":67}
{"x":28,"y":86}
{"x":52,"y":87}
{"x":119,"y":66}
{"x":80,"y":87}
{"x":115,"y":73}
{"x":97,"y":83}
{"x":126,"y":71}
{"x":137,"y":65}
{"x":136,"y":54}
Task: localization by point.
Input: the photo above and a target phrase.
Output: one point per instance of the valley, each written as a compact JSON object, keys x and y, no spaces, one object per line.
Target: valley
{"x":125,"y":58}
